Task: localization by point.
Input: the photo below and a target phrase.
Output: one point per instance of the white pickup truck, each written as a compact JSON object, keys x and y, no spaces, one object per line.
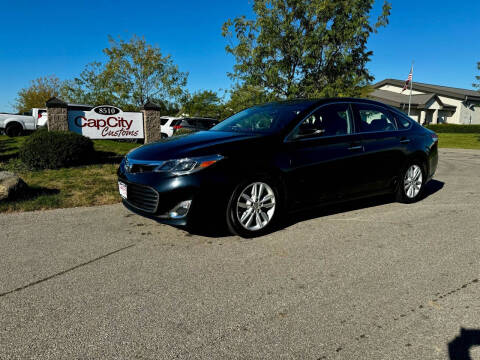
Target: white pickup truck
{"x":16,"y":125}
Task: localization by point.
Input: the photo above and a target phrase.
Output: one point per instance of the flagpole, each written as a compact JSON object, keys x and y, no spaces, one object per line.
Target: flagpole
{"x":410,"y":97}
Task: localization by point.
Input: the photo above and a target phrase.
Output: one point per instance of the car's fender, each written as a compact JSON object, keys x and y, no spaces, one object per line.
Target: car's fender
{"x":9,"y":121}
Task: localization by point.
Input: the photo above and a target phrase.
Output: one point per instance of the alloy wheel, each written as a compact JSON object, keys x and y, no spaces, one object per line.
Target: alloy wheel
{"x":412,"y":182}
{"x":256,"y":206}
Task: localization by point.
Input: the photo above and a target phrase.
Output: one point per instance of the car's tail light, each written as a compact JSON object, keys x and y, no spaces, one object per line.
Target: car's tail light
{"x":176,"y":127}
{"x":434,"y":137}
{"x":39,"y":115}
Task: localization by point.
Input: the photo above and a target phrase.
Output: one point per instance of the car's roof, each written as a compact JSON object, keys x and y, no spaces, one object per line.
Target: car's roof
{"x":319,"y":101}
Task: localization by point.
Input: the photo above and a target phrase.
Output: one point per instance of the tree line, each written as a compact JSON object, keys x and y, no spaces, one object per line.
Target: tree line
{"x":290,"y":49}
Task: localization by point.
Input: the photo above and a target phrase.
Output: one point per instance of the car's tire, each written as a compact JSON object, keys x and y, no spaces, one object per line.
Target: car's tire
{"x":13,"y":130}
{"x":163,"y":136}
{"x":254,"y":208}
{"x":411,"y":182}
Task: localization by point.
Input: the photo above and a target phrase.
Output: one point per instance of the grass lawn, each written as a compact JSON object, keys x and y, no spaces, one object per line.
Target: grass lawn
{"x":69,"y":187}
{"x":458,"y":140}
{"x":9,"y":147}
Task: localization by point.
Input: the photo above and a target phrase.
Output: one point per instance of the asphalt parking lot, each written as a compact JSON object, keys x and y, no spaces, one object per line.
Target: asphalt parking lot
{"x":368,"y":280}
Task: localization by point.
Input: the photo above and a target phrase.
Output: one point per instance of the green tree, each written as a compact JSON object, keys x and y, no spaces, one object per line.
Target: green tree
{"x":167,"y":108}
{"x":245,"y":96}
{"x":134,"y":72}
{"x":304,"y":48}
{"x":37,"y":93}
{"x":205,"y":103}
{"x":93,"y":86}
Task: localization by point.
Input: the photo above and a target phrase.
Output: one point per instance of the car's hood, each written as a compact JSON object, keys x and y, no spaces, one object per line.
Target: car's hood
{"x":197,"y":144}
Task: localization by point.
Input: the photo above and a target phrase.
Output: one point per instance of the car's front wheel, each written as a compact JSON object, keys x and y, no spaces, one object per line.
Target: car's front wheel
{"x":253,"y":208}
{"x":411,"y":183}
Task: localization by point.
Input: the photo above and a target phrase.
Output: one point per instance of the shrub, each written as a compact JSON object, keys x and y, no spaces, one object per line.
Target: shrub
{"x":453,"y":128}
{"x":55,"y":149}
{"x":183,"y":132}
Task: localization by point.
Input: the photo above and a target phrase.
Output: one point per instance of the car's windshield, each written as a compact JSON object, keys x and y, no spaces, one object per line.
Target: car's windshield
{"x":267,"y":118}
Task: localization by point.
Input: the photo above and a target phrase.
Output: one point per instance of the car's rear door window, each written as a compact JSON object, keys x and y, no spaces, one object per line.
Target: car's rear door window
{"x":375,"y":119}
{"x":402,"y":122}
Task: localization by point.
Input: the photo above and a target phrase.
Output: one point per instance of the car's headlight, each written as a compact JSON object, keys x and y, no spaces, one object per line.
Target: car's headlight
{"x":188,"y":165}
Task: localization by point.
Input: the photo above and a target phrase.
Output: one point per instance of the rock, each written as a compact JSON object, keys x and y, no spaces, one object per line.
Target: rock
{"x":10,"y":185}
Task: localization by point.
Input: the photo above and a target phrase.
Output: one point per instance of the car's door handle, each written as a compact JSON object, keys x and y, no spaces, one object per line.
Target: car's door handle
{"x":356,"y":147}
{"x":404,"y":141}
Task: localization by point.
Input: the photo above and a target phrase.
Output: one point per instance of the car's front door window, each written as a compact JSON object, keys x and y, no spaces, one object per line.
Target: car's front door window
{"x":329,"y":120}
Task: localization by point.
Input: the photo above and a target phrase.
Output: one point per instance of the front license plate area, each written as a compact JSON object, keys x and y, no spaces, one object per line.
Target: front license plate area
{"x":122,"y":189}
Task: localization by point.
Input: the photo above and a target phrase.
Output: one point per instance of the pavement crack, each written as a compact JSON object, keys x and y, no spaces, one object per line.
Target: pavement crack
{"x":65,"y":271}
{"x":453,"y":291}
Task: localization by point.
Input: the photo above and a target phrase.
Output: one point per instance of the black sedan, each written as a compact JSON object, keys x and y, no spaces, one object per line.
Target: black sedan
{"x":271,"y":159}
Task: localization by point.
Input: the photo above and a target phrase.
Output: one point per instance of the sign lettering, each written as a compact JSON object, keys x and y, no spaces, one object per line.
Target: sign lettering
{"x":106,"y":122}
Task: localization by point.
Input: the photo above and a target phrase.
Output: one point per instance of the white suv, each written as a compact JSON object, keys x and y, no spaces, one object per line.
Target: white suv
{"x":167,"y":123}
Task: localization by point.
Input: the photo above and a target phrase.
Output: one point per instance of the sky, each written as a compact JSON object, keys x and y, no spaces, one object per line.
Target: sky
{"x":40,"y":38}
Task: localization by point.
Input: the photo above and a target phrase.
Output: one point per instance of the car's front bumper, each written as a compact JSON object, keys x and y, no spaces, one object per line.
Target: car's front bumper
{"x":169,"y":221}
{"x":207,"y":191}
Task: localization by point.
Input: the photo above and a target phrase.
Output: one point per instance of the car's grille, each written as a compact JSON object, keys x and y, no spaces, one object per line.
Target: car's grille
{"x":142,"y":197}
{"x":141,"y":168}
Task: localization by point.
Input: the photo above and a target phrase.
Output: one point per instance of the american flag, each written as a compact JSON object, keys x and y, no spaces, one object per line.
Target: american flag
{"x":409,"y":80}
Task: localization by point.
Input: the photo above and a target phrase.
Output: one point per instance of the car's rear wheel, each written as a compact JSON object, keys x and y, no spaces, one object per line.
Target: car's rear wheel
{"x":411,"y":182}
{"x":253,"y":208}
{"x":13,"y":130}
